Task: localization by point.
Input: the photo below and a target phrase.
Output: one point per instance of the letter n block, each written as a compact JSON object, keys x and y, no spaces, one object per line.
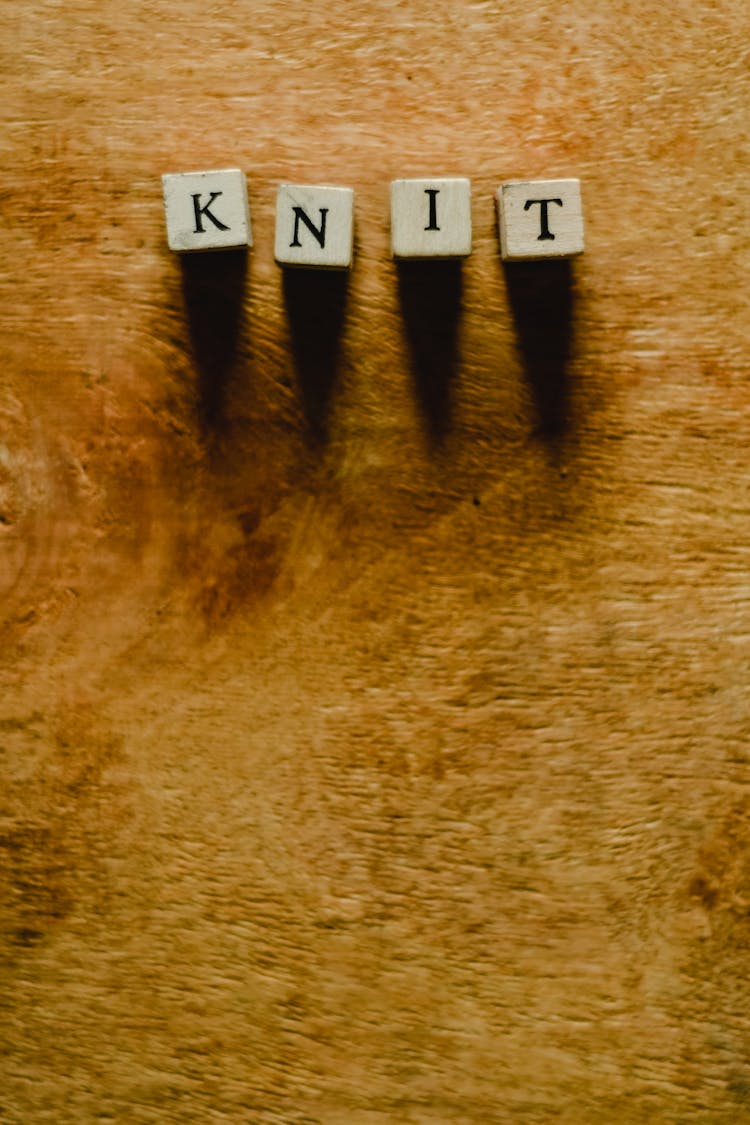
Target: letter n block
{"x":207,"y":210}
{"x":314,"y":226}
{"x":431,"y":218}
{"x":540,"y":219}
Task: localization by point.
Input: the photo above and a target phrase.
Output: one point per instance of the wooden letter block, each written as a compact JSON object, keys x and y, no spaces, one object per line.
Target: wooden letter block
{"x":431,"y":218}
{"x":207,"y":210}
{"x":314,"y":226}
{"x":540,"y":219}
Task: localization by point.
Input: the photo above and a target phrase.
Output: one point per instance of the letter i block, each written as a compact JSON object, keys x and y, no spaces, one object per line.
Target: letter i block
{"x":540,"y":219}
{"x":207,"y":210}
{"x":431,"y":218}
{"x":314,"y":226}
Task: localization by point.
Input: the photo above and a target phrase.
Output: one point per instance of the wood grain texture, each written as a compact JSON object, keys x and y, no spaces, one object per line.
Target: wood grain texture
{"x":374,"y":715}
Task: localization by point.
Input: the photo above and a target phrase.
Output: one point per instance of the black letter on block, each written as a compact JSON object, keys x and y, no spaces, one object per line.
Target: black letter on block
{"x":205,"y":211}
{"x":546,"y":233}
{"x":432,"y":192}
{"x":318,"y":235}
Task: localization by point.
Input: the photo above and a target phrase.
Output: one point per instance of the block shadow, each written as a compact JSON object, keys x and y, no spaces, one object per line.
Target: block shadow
{"x":430,"y":293}
{"x":541,"y":301}
{"x":213,"y":286}
{"x":315,"y":302}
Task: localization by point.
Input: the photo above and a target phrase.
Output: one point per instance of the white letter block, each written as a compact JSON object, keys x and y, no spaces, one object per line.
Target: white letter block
{"x":314,"y":226}
{"x":207,"y":210}
{"x":540,"y":219}
{"x":431,"y":218}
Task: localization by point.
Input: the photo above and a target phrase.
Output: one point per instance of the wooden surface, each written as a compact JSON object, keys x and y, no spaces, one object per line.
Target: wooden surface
{"x":374,"y":715}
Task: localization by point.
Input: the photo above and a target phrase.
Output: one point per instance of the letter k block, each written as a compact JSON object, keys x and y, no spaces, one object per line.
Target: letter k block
{"x":207,"y":210}
{"x":540,"y":219}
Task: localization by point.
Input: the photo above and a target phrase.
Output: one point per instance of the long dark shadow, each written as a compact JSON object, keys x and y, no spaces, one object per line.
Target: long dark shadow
{"x":541,"y":300}
{"x":316,"y":307}
{"x":431,"y":293}
{"x":213,"y":285}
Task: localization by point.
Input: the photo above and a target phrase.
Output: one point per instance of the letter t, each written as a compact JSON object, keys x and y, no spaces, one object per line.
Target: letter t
{"x":543,"y":215}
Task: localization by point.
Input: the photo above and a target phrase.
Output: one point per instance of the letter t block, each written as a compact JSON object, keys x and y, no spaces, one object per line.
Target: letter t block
{"x":540,"y":219}
{"x":207,"y":210}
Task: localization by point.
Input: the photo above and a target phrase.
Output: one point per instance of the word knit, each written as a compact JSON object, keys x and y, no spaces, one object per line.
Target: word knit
{"x":430,"y":218}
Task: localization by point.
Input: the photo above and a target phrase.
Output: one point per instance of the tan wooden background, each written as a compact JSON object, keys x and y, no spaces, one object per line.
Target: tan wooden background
{"x":374,"y":714}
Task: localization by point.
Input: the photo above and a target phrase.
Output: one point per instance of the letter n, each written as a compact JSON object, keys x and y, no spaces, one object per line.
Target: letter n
{"x":318,"y":233}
